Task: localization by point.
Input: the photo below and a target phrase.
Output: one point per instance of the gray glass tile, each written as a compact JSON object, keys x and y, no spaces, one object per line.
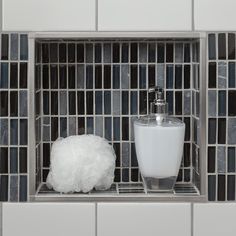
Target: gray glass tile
{"x":107,"y":102}
{"x":211,"y":187}
{"x":14,"y":132}
{"x":108,"y":128}
{"x":231,"y":187}
{"x":211,"y":46}
{"x":160,"y":75}
{"x":134,"y":102}
{"x":23,"y":188}
{"x":142,"y":52}
{"x":89,"y":53}
{"x":14,"y":188}
{"x":231,"y":159}
{"x":3,"y":132}
{"x":89,"y":77}
{"x":211,"y":103}
{"x":24,"y":47}
{"x":232,"y":82}
{"x":107,"y":53}
{"x":23,"y":131}
{"x":124,"y":76}
{"x":221,"y":160}
{"x":187,"y":102}
{"x":116,"y":103}
{"x":80,"y":76}
{"x":231,"y":131}
{"x":143,"y":76}
{"x":63,"y":102}
{"x":222,"y":103}
{"x":23,"y":103}
{"x":125,"y":154}
{"x":46,"y":132}
{"x":116,"y":77}
{"x":72,"y":126}
{"x":116,"y":128}
{"x":98,"y":102}
{"x":63,"y":127}
{"x":90,"y":125}
{"x":14,"y":47}
{"x":222,"y":78}
{"x":4,"y":75}
{"x":13,"y":160}
{"x":99,"y":126}
{"x":179,"y":53}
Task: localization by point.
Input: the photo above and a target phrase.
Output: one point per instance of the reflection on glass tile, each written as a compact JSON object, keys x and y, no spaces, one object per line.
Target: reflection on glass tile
{"x":116,"y":102}
{"x":81,"y":125}
{"x":116,"y":77}
{"x":160,"y":75}
{"x":53,"y":52}
{"x":160,"y":53}
{"x":90,"y":126}
{"x":151,"y":52}
{"x":98,"y":76}
{"x":13,"y":75}
{"x":125,"y":154}
{"x":211,"y":159}
{"x":142,"y":77}
{"x":142,"y":52}
{"x":89,"y":77}
{"x":98,"y":102}
{"x":116,"y":128}
{"x":4,"y":47}
{"x":14,"y":46}
{"x":3,"y":132}
{"x":221,"y":165}
{"x":187,"y":102}
{"x":54,"y":128}
{"x":107,"y":77}
{"x":179,"y":53}
{"x":231,"y":131}
{"x":212,"y":131}
{"x":169,"y":99}
{"x":222,"y":79}
{"x":231,"y":160}
{"x":14,"y":132}
{"x":108,"y":128}
{"x":169,"y":76}
{"x":151,"y":76}
{"x":212,"y":75}
{"x":211,"y":46}
{"x":124,"y":76}
{"x":134,"y":161}
{"x":80,"y":76}
{"x":221,"y":130}
{"x":3,"y":160}
{"x":23,"y":188}
{"x":13,"y":188}
{"x":63,"y":102}
{"x":125,"y":102}
{"x":13,"y":160}
{"x":62,"y":52}
{"x":24,"y":47}
{"x":231,"y":76}
{"x":169,"y":52}
{"x":4,"y":75}
{"x":80,"y":103}
{"x":221,"y":188}
{"x":231,"y":46}
{"x":89,"y":53}
{"x":3,"y":103}
{"x":143,"y":102}
{"x":125,"y":53}
{"x":231,"y":187}
{"x":221,"y":46}
{"x":134,"y":102}
{"x":178,"y":76}
{"x":222,"y":103}
{"x":72,"y":126}
{"x":107,"y":102}
{"x":231,"y":103}
{"x":3,"y":188}
{"x":72,"y":103}
{"x":89,"y":103}
{"x":134,"y":52}
{"x":211,"y":102}
{"x":80,"y":53}
{"x":99,"y":126}
{"x":23,"y":132}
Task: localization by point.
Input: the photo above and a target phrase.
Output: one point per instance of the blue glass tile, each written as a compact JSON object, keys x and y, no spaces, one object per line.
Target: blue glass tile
{"x":24,"y":47}
{"x":14,"y":132}
{"x":211,"y":187}
{"x":13,"y":160}
{"x":116,"y":128}
{"x":116,"y":77}
{"x":80,"y":76}
{"x":107,"y":102}
{"x":232,"y":131}
{"x":108,"y":128}
{"x":90,"y":126}
{"x":231,"y":160}
{"x":63,"y":127}
{"x":142,"y":76}
{"x":125,"y":175}
{"x":23,"y":132}
{"x":169,"y":98}
{"x":89,"y":77}
{"x":23,"y":188}
{"x":134,"y":102}
{"x":4,"y":188}
{"x":222,"y":77}
{"x":14,"y":188}
{"x":125,"y":102}
{"x":125,"y":76}
{"x":4,"y":75}
{"x":99,"y":126}
{"x":231,"y":68}
{"x":23,"y":104}
{"x":211,"y":46}
{"x":125,"y":154}
{"x":211,"y":102}
{"x":116,"y":103}
{"x":14,"y":47}
{"x":3,"y":132}
{"x":222,"y":103}
{"x":169,"y":77}
{"x":98,"y":102}
{"x":221,"y":160}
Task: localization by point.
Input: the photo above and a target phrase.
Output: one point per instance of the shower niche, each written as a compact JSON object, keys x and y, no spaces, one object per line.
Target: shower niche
{"x":97,"y":84}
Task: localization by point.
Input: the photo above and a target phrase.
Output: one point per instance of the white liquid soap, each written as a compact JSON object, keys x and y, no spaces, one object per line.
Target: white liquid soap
{"x":159,"y":144}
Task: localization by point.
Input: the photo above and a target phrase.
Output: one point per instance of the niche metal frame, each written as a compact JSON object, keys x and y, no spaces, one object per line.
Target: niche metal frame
{"x":133,"y":195}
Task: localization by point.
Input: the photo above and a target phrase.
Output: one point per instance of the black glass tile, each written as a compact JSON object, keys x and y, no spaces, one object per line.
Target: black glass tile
{"x":222,"y":103}
{"x":221,"y":188}
{"x":24,"y":47}
{"x":53,"y":52}
{"x":231,"y":188}
{"x":211,"y":159}
{"x":45,"y":53}
{"x":54,"y":128}
{"x":45,"y":103}
{"x":23,"y":75}
{"x":186,"y":154}
{"x":54,"y":76}
{"x":212,"y":75}
{"x":23,"y":188}
{"x":72,"y":103}
{"x":23,"y":159}
{"x":151,"y":76}
{"x":142,"y":77}
{"x":134,"y":175}
{"x":231,"y":46}
{"x":151,"y":52}
{"x":211,"y":187}
{"x":187,"y":79}
{"x":160,"y":53}
{"x":221,"y":130}
{"x":37,"y":103}
{"x":81,"y":125}
{"x":3,"y":160}
{"x":13,"y":132}
{"x":116,"y":77}
{"x":178,"y":103}
{"x":125,"y":53}
{"x":169,"y":52}
{"x":62,"y":76}
{"x":89,"y":103}
{"x":134,"y":102}
{"x":117,"y":175}
{"x":23,"y":131}
{"x":143,"y":102}
{"x":180,"y":175}
{"x":134,"y":161}
{"x":221,"y":47}
{"x":13,"y":103}
{"x":107,"y":76}
{"x":71,"y":77}
{"x":231,"y":160}
{"x":125,"y":128}
{"x":116,"y":53}
{"x":89,"y":77}
{"x":134,"y":52}
{"x":46,"y":154}
{"x":13,"y":160}
{"x":231,"y":103}
{"x":125,"y":175}
{"x":107,"y":102}
{"x":89,"y":53}
{"x":98,"y":53}
{"x":13,"y":75}
{"x":38,"y":53}
{"x":231,"y":70}
{"x":4,"y":188}
{"x":125,"y":102}
{"x":134,"y":76}
{"x":3,"y":103}
{"x":186,"y":53}
{"x":71,"y":52}
{"x":5,"y":47}
{"x":187,"y":128}
{"x":108,"y":128}
{"x":37,"y":77}
{"x":211,"y":131}
{"x":4,"y":75}
{"x":169,"y":98}
{"x":186,"y":175}
{"x":54,"y":103}
{"x":178,"y":76}
{"x":169,"y":77}
{"x":80,"y":103}
{"x":211,"y":46}
{"x":62,"y":53}
{"x":116,"y":147}
{"x":98,"y":77}
{"x":63,"y":127}
{"x":80,"y":53}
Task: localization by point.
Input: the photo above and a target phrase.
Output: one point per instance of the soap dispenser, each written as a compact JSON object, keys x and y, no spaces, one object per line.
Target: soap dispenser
{"x":159,"y":141}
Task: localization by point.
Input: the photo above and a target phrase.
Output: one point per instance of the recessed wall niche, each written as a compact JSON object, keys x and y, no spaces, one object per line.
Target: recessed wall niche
{"x":84,"y":85}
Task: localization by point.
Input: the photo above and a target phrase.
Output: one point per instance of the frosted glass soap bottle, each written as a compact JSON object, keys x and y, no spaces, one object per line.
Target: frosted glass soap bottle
{"x":159,"y":142}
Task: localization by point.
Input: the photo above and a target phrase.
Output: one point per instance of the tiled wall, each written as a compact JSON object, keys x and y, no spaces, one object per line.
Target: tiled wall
{"x":13,"y":117}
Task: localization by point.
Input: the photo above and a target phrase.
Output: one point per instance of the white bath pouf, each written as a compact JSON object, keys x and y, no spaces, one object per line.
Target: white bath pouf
{"x":81,"y":163}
